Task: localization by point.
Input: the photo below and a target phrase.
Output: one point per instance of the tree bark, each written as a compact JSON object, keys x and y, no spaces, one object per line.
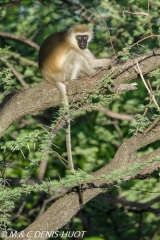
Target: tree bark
{"x":45,"y":95}
{"x":124,"y":166}
{"x":125,"y":159}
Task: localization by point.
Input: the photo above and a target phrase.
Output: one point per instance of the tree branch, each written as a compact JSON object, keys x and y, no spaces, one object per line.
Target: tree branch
{"x":19,"y":38}
{"x":45,"y":95}
{"x":15,"y":72}
{"x":130,"y":205}
{"x":11,"y":3}
{"x":115,"y":115}
{"x":125,"y":158}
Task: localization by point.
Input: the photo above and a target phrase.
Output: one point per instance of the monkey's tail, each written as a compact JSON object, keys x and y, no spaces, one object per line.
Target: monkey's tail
{"x":68,"y":139}
{"x":62,"y":90}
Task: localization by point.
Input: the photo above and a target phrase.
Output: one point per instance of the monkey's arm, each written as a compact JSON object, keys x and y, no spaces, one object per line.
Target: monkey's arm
{"x":101,"y":62}
{"x":95,"y":63}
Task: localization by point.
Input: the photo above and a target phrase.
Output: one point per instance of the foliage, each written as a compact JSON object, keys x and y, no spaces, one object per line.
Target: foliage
{"x":7,"y":80}
{"x":95,"y":136}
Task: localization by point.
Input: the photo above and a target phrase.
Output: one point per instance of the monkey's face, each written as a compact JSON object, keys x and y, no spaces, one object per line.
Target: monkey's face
{"x":82,"y":41}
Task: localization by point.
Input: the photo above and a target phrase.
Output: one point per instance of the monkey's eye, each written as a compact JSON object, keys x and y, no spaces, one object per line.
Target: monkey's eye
{"x":78,"y":37}
{"x":85,"y":37}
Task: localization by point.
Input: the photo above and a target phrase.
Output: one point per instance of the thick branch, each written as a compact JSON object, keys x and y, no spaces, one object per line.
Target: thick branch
{"x":19,"y":104}
{"x":20,"y":38}
{"x":66,"y":207}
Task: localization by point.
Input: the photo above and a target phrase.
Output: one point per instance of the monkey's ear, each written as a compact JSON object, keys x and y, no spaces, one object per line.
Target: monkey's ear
{"x":70,"y":31}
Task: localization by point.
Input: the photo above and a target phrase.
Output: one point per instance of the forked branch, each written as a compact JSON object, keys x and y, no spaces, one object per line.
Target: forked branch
{"x":125,"y":158}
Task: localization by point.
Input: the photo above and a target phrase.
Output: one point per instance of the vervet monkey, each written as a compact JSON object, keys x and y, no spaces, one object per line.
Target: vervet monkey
{"x":62,"y":56}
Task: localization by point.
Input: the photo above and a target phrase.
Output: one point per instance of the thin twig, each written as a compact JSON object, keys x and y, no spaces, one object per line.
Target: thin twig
{"x":107,"y":30}
{"x":14,"y":71}
{"x":149,"y":20}
{"x":149,"y":91}
{"x":151,"y":126}
{"x":136,"y":13}
{"x":145,"y":111}
{"x":10,"y":4}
